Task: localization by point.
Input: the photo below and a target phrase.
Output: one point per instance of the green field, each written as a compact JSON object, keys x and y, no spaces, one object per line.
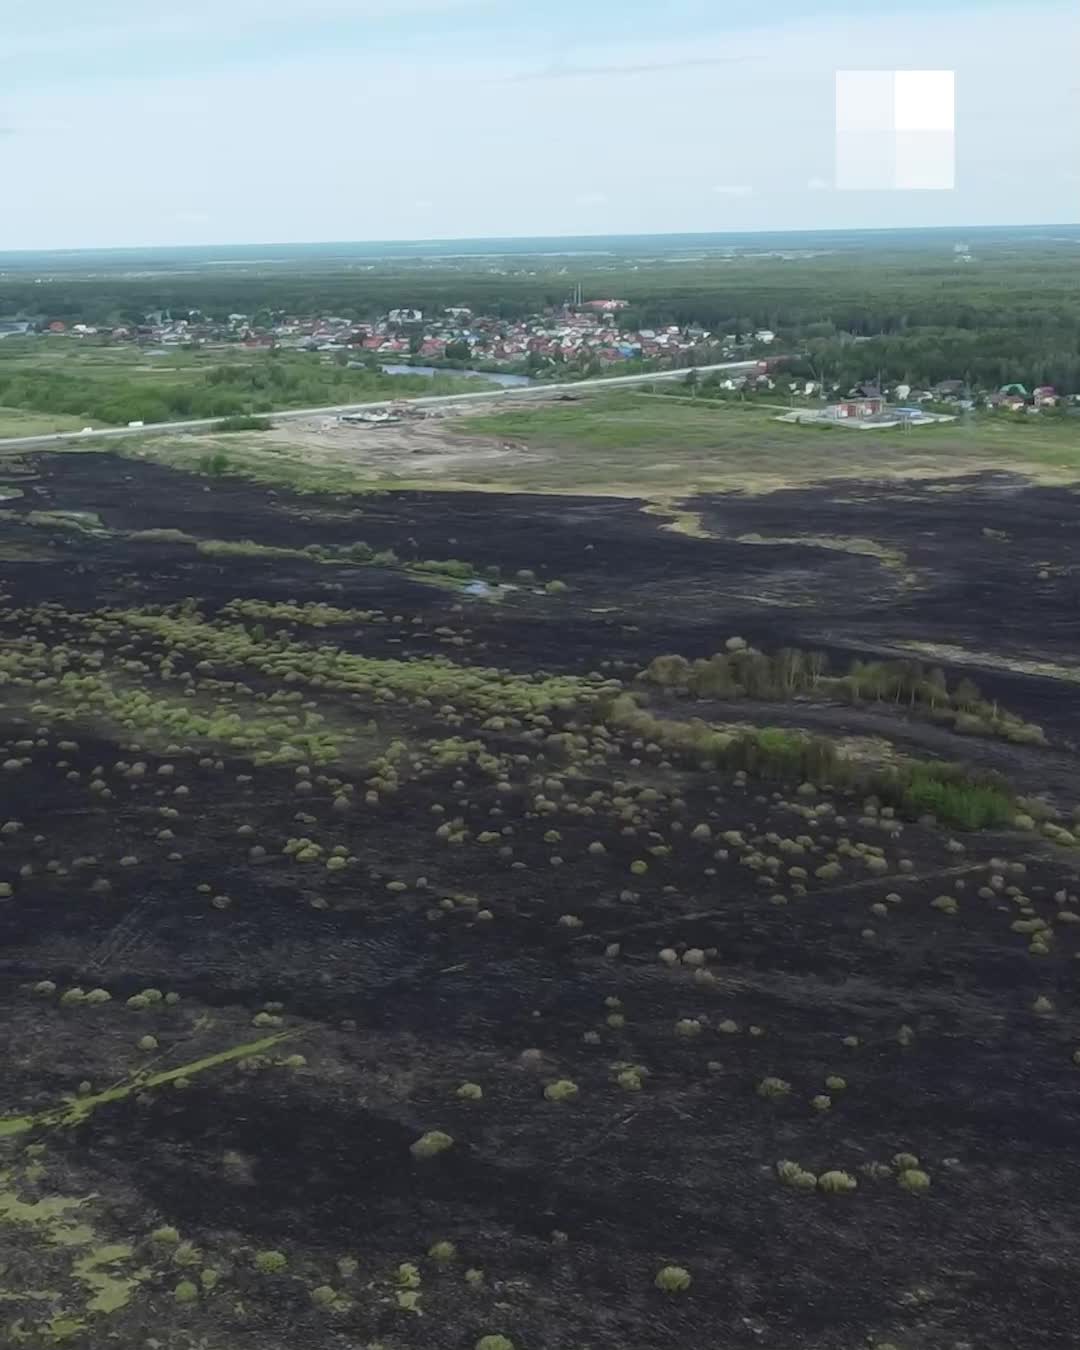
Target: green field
{"x":626,"y":443}
{"x":102,"y":385}
{"x":18,"y":422}
{"x":658,"y":444}
{"x":98,"y":360}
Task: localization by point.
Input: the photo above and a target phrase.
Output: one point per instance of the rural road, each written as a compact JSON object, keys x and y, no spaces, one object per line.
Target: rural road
{"x":427,"y":400}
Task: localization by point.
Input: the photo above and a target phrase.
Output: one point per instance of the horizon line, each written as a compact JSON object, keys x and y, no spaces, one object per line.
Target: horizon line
{"x":529,"y":238}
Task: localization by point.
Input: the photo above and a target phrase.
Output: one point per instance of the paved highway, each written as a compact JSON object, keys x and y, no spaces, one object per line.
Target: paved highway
{"x":427,"y":401}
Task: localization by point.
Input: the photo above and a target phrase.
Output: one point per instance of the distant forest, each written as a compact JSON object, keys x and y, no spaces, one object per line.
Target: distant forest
{"x":1012,"y":313}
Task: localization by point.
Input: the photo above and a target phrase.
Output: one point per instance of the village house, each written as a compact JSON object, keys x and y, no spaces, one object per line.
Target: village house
{"x":865,"y":400}
{"x":1012,"y":402}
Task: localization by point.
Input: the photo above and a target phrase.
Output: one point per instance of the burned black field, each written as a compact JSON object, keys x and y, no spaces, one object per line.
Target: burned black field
{"x":387,"y":962}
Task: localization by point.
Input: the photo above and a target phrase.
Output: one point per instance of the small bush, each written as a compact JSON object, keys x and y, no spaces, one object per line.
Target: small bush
{"x":408,"y":1275}
{"x":561,"y":1091}
{"x":494,"y":1343}
{"x":673,"y":1279}
{"x":185,"y":1292}
{"x":431,"y":1144}
{"x":241,"y":422}
{"x":914,"y":1180}
{"x":271,"y":1262}
{"x":837,"y":1183}
{"x":791,"y":1174}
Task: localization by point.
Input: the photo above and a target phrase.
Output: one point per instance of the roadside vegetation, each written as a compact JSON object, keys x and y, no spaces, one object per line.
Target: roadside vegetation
{"x":233,"y":389}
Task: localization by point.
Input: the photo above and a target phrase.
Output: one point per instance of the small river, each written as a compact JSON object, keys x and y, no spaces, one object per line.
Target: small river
{"x":510,"y":381}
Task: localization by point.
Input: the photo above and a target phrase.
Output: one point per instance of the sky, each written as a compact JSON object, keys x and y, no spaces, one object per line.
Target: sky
{"x":124,"y":124}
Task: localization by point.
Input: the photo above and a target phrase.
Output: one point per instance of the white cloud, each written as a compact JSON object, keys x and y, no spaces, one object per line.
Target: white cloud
{"x":816,"y":184}
{"x":733,"y":190}
{"x":591,"y":198}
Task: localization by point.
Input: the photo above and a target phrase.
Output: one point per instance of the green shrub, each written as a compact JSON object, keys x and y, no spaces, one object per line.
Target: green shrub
{"x":408,"y":1275}
{"x":673,"y":1279}
{"x":837,"y":1183}
{"x":162,"y":536}
{"x":561,"y":1091}
{"x":448,"y":567}
{"x":215,"y":465}
{"x":431,"y":1144}
{"x":270,"y":1262}
{"x":791,"y":1174}
{"x":954,"y":799}
{"x":242,"y":422}
{"x":914,"y":1180}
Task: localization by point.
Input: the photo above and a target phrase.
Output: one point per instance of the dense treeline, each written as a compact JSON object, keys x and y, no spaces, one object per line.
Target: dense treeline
{"x":744,"y":672}
{"x":985,"y":359}
{"x":866,"y":293}
{"x":1013,"y":313}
